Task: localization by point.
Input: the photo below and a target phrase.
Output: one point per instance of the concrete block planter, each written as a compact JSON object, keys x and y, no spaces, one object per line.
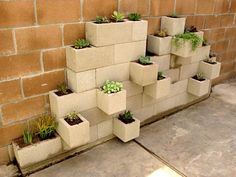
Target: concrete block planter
{"x":143,"y":74}
{"x":37,"y":152}
{"x":187,"y":71}
{"x":174,"y":74}
{"x":198,"y":88}
{"x":201,"y":35}
{"x":163,"y":62}
{"x":185,"y":50}
{"x":159,"y":45}
{"x":89,"y":58}
{"x":109,"y":33}
{"x":74,"y":135}
{"x":126,"y":132}
{"x":160,"y":89}
{"x":173,"y":26}
{"x":111,"y":103}
{"x":139,"y":30}
{"x":210,"y":71}
{"x":203,"y":52}
{"x":61,"y":105}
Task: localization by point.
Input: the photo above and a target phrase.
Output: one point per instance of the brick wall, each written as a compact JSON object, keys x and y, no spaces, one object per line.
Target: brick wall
{"x":34,"y":33}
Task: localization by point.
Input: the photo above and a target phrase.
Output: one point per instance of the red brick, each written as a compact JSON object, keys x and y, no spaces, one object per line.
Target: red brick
{"x":226,"y":20}
{"x":232,"y":44}
{"x":153,"y":25}
{"x":54,"y":59}
{"x":38,"y":37}
{"x":230,"y":33}
{"x":215,"y":35}
{"x":6,"y":42}
{"x":17,"y":13}
{"x":197,"y":21}
{"x":140,"y":6}
{"x":221,"y":6}
{"x":212,"y":21}
{"x":223,"y":77}
{"x":4,"y":155}
{"x":185,"y":6}
{"x":73,"y":32}
{"x":51,"y":11}
{"x":160,"y":7}
{"x":93,"y":8}
{"x":205,"y":6}
{"x":233,"y":6}
{"x":227,"y":67}
{"x":42,"y":83}
{"x":221,"y":47}
{"x":10,"y":91}
{"x":19,"y":65}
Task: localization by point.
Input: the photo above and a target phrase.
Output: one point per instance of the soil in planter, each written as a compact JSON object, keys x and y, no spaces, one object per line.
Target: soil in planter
{"x":58,"y":93}
{"x":126,"y":121}
{"x":195,"y":77}
{"x":212,"y":63}
{"x":160,"y":78}
{"x":82,"y":48}
{"x":74,"y":121}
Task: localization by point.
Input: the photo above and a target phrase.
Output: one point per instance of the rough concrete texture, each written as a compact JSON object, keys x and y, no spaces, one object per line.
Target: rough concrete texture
{"x":8,"y":171}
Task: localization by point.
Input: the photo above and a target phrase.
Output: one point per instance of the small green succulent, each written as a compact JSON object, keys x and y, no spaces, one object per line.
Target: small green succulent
{"x":145,"y":60}
{"x":117,"y":17}
{"x":62,"y":88}
{"x":161,"y":33}
{"x":126,"y":117}
{"x":72,"y":116}
{"x":200,"y":76}
{"x":81,"y":43}
{"x":134,"y":17}
{"x":112,"y":87}
{"x":28,"y":136}
{"x":101,"y":19}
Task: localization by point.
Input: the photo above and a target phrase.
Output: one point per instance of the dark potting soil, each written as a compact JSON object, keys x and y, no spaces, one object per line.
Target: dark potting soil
{"x":74,"y":121}
{"x":195,"y":77}
{"x":126,"y":121}
{"x":58,"y":93}
{"x":212,"y":63}
{"x":173,"y":16}
{"x":161,"y":77}
{"x":81,"y":48}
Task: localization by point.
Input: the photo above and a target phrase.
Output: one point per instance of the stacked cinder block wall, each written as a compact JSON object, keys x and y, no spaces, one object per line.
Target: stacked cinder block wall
{"x":34,"y":34}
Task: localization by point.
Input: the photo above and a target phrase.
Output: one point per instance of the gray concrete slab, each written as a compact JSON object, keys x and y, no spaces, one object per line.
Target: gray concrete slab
{"x":112,"y":159}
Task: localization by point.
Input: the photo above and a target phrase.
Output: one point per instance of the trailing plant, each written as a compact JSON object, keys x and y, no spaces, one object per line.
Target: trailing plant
{"x":81,"y":43}
{"x":27,"y":136}
{"x":190,"y":29}
{"x":161,"y":33}
{"x":72,"y":116}
{"x":160,"y":76}
{"x":199,"y":76}
{"x":180,"y":39}
{"x":101,"y":19}
{"x":117,"y":17}
{"x":112,"y":87}
{"x":145,"y":60}
{"x":63,"y":88}
{"x":126,"y":117}
{"x":134,"y":17}
{"x":46,"y":127}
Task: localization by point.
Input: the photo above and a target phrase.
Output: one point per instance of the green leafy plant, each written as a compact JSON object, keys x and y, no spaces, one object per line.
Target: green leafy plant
{"x":161,"y":33}
{"x":126,"y":117}
{"x":180,"y":39}
{"x":101,"y":19}
{"x":134,"y":17}
{"x":72,"y":116}
{"x":160,"y":76}
{"x":81,"y":43}
{"x":63,"y":88}
{"x":27,"y":136}
{"x":200,"y":77}
{"x":46,"y":127}
{"x":112,"y":87}
{"x":117,"y":17}
{"x":145,"y":60}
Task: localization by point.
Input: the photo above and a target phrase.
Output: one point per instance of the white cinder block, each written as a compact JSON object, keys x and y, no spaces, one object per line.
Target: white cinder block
{"x":87,"y":100}
{"x":143,"y":74}
{"x":144,"y":113}
{"x":173,"y":74}
{"x":184,"y":50}
{"x":105,"y":128}
{"x":203,"y":52}
{"x":140,"y":30}
{"x":93,"y":133}
{"x":126,"y":132}
{"x":75,"y":135}
{"x":163,"y":62}
{"x":82,"y":81}
{"x":61,"y":105}
{"x":134,"y":102}
{"x":187,"y":71}
{"x":210,"y":71}
{"x":118,"y":72}
{"x":127,"y":52}
{"x":159,"y":45}
{"x":148,"y":100}
{"x":165,"y":105}
{"x":173,"y":26}
{"x":132,"y":88}
{"x":201,"y":35}
{"x":89,"y":58}
{"x":178,"y":88}
{"x":198,"y":88}
{"x":158,"y":90}
{"x":38,"y":152}
{"x":111,"y":103}
{"x":109,"y":33}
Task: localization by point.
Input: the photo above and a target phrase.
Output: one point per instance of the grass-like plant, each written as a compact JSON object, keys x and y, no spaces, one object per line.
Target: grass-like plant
{"x":180,"y":39}
{"x":117,"y":16}
{"x":101,"y":19}
{"x":145,"y":60}
{"x":46,"y":127}
{"x":112,"y":87}
{"x":161,"y":33}
{"x":62,"y":88}
{"x":81,"y":43}
{"x":27,"y":136}
{"x":134,"y":17}
{"x":126,"y":117}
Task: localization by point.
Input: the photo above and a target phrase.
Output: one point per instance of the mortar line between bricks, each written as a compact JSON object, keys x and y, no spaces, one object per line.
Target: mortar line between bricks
{"x":161,"y":159}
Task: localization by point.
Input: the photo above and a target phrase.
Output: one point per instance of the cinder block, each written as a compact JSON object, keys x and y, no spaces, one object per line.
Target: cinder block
{"x":165,"y":105}
{"x":185,"y":98}
{"x":118,"y":72}
{"x":134,"y":102}
{"x":105,"y":128}
{"x":210,"y":71}
{"x":163,"y":62}
{"x":187,"y":71}
{"x":144,"y":113}
{"x":82,"y":81}
{"x":127,"y":52}
{"x":198,"y":88}
{"x":201,"y":35}
{"x":178,"y":88}
{"x":132,"y":88}
{"x":89,"y":58}
{"x":173,"y":26}
{"x":184,"y":50}
{"x":159,"y":45}
{"x":173,"y":74}
{"x":140,"y":30}
{"x":93,"y":133}
{"x":203,"y":52}
{"x":87,"y":100}
{"x":148,"y":100}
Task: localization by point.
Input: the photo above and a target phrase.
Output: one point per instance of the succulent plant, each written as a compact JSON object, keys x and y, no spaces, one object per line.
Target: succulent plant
{"x":200,"y":76}
{"x":101,"y":19}
{"x":134,"y":17}
{"x":117,"y":17}
{"x":145,"y":60}
{"x":81,"y":43}
{"x":62,"y":88}
{"x":126,"y":117}
{"x":112,"y":87}
{"x":72,"y":116}
{"x":161,"y":33}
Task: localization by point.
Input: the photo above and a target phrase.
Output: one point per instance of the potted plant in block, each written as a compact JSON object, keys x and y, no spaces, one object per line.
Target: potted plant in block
{"x":185,"y":45}
{"x":143,"y":72}
{"x":198,"y":85}
{"x":173,"y":24}
{"x":126,"y":127}
{"x":210,"y":67}
{"x":159,"y":89}
{"x":74,"y":129}
{"x":139,"y":27}
{"x":111,"y":98}
{"x":40,"y":145}
{"x":159,"y":43}
{"x":193,"y":29}
{"x":63,"y":100}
